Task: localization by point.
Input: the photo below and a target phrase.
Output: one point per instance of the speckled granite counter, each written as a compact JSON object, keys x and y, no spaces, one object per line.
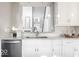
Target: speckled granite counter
{"x":53,"y":38}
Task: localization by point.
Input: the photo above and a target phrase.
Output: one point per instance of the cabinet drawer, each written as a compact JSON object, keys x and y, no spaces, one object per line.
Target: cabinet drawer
{"x":71,"y":42}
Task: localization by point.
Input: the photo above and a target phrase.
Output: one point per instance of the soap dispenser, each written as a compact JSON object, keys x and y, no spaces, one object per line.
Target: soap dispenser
{"x":14,"y":34}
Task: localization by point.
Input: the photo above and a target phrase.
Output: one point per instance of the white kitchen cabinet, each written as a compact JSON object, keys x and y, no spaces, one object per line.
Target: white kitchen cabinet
{"x":67,"y":14}
{"x":45,"y":48}
{"x":57,"y":47}
{"x":30,"y":47}
{"x":63,"y":12}
{"x":70,"y":48}
{"x":30,"y":52}
{"x":68,"y":51}
{"x":74,"y":14}
{"x":36,"y":47}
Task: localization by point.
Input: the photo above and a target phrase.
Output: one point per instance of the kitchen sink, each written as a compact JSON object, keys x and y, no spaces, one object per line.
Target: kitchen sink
{"x":38,"y":37}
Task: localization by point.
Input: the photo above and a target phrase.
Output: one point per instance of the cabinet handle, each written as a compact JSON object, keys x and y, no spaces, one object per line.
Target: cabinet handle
{"x":35,"y":49}
{"x":53,"y":49}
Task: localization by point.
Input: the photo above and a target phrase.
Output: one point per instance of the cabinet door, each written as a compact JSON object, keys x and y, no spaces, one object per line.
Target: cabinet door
{"x":63,"y":14}
{"x":68,"y":14}
{"x":45,"y":52}
{"x":30,"y":52}
{"x":30,"y":48}
{"x":68,"y":51}
{"x":36,"y":47}
{"x":68,"y":48}
{"x":72,"y":46}
{"x":57,"y":47}
{"x":74,"y":14}
{"x":45,"y":48}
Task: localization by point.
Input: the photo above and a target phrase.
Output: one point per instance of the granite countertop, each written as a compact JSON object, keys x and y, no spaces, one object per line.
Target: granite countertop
{"x":56,"y":38}
{"x":25,"y":38}
{"x":10,"y":39}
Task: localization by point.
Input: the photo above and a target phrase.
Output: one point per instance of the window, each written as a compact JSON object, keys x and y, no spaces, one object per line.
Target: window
{"x":27,"y":18}
{"x":37,"y":17}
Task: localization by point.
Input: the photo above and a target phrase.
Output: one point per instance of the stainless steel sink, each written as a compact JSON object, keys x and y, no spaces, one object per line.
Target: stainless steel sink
{"x":38,"y":37}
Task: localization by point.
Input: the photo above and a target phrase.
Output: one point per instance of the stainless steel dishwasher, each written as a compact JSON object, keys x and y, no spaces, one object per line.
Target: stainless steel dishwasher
{"x":11,"y":48}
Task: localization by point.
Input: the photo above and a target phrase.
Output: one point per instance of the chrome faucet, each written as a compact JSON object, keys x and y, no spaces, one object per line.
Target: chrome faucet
{"x":36,"y":31}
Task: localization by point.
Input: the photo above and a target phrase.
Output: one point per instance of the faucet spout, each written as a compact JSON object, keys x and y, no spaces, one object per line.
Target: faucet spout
{"x":37,"y":33}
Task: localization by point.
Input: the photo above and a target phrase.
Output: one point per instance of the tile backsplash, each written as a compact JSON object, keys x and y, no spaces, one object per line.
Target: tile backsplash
{"x":67,"y":29}
{"x":58,"y":31}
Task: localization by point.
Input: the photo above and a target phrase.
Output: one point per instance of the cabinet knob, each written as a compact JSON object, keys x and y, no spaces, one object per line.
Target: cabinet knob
{"x":37,"y":49}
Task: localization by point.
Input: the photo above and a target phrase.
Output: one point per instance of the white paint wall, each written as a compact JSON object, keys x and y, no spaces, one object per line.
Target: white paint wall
{"x":36,"y":4}
{"x":60,"y":29}
{"x":67,"y":29}
{"x":9,"y":16}
{"x":5,"y":19}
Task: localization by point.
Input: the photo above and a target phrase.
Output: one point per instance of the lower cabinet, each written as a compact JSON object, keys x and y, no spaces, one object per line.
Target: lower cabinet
{"x":70,"y":48}
{"x":30,"y":52}
{"x":57,"y":47}
{"x":45,"y":48}
{"x":41,"y":47}
{"x":45,"y":52}
{"x":30,"y":47}
{"x":68,"y":51}
{"x":36,"y":48}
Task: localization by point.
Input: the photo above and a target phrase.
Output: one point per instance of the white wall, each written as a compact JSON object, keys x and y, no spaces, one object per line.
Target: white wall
{"x":67,"y":29}
{"x":5,"y":17}
{"x":9,"y":16}
{"x":15,"y":14}
{"x":60,"y":30}
{"x":36,"y":4}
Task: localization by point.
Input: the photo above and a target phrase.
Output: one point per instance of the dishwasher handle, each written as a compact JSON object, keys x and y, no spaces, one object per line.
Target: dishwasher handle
{"x":11,"y":41}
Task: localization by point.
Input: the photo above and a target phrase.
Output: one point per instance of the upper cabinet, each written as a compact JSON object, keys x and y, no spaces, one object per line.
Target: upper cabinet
{"x":66,"y":14}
